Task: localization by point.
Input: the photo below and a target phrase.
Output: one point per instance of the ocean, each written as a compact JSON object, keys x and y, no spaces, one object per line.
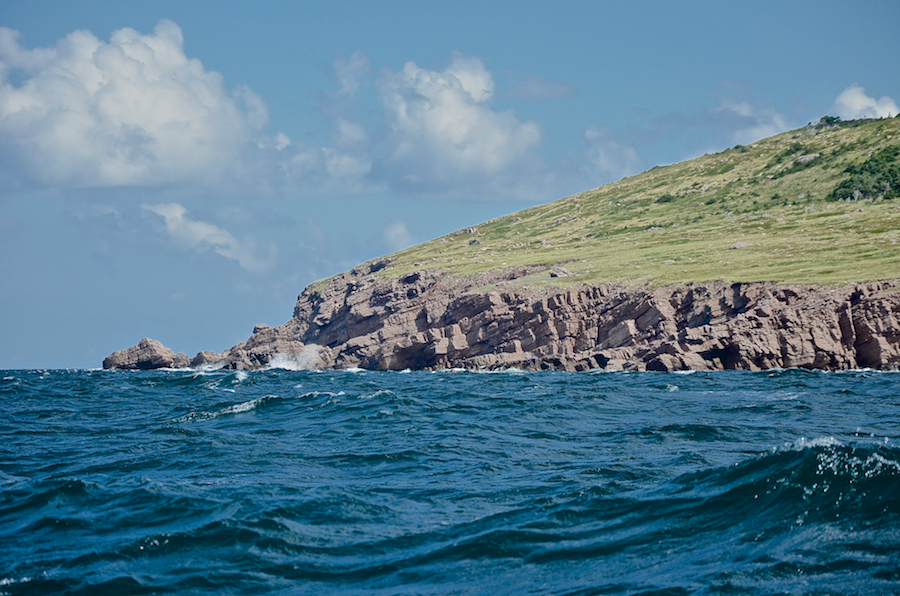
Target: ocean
{"x":361,"y":482}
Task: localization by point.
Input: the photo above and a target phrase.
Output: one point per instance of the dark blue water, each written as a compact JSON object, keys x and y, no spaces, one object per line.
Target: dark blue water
{"x":280,"y":482}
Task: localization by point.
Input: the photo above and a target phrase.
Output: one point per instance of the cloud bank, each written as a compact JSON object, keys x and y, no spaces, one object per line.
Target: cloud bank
{"x":137,"y":112}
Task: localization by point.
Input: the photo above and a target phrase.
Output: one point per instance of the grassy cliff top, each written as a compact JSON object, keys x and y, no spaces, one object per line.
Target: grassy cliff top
{"x":813,"y":205}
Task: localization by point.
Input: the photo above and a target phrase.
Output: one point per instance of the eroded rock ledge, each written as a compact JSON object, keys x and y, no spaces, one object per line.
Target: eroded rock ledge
{"x":430,"y":320}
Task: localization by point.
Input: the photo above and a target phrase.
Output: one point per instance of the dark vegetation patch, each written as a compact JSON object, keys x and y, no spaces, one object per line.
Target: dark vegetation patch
{"x":876,"y":178}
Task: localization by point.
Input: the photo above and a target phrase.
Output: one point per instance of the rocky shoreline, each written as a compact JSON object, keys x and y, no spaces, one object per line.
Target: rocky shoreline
{"x":431,"y":320}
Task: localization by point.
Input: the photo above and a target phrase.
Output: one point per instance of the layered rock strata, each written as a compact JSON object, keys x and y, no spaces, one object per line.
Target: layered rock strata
{"x":430,"y":320}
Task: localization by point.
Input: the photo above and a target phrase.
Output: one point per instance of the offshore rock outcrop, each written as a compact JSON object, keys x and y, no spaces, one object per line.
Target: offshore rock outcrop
{"x":146,"y":355}
{"x":428,"y":320}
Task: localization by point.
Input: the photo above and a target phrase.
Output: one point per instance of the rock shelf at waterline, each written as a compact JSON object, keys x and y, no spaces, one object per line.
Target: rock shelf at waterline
{"x":432,"y":320}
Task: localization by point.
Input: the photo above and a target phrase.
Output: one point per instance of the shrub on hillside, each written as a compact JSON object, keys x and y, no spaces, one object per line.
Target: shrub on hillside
{"x":877,"y":177}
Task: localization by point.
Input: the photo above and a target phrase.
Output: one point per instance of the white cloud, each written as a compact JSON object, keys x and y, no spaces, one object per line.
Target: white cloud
{"x":349,"y":134}
{"x":751,"y":123}
{"x":396,"y":235}
{"x":133,"y":111}
{"x":442,"y":128}
{"x":282,"y":141}
{"x":472,"y":75}
{"x":327,"y":169}
{"x":201,"y":236}
{"x":351,"y":72}
{"x":853,"y":103}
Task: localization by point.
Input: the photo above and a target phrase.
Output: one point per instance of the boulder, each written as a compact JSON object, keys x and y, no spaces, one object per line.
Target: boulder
{"x":146,"y":355}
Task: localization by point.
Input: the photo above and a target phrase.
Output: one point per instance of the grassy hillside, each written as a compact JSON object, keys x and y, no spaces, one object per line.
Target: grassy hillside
{"x":815,"y":205}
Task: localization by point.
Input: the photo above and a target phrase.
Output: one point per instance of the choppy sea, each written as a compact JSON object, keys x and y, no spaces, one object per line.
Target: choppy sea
{"x":359,"y":482}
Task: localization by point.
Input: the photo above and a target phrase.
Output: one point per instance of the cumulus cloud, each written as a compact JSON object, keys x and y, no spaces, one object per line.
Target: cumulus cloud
{"x":202,"y":236}
{"x":131,"y":112}
{"x":533,"y":88}
{"x":442,"y":127}
{"x":853,"y":103}
{"x":135,"y":111}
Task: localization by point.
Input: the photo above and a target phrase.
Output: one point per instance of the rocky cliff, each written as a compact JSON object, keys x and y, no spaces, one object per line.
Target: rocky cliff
{"x":429,"y":320}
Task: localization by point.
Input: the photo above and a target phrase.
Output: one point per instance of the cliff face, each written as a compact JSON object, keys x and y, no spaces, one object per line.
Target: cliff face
{"x":429,"y":320}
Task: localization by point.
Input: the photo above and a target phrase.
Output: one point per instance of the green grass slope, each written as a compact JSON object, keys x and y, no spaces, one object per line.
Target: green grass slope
{"x":820,"y":204}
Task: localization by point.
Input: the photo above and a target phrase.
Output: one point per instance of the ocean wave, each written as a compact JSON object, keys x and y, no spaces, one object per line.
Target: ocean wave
{"x":387,"y":483}
{"x":238,"y":408}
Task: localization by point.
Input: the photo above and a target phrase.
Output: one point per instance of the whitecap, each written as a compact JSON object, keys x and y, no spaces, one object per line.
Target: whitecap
{"x":378,"y":393}
{"x":9,"y":581}
{"x":512,"y":370}
{"x":238,"y":408}
{"x":804,"y":443}
{"x":203,"y":368}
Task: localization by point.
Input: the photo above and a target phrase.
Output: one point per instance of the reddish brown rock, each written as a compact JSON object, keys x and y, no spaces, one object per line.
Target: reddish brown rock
{"x":146,"y":355}
{"x":429,"y":320}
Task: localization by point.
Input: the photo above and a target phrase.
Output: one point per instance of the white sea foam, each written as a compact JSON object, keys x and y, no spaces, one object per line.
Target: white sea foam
{"x":378,"y":393}
{"x":239,"y":377}
{"x":307,"y":358}
{"x":284,"y":362}
{"x":512,"y":370}
{"x":204,"y":368}
{"x":9,"y":581}
{"x":804,"y":443}
{"x":238,"y":408}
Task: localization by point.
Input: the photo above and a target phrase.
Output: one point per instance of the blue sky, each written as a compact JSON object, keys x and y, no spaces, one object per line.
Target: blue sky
{"x":183,"y":170}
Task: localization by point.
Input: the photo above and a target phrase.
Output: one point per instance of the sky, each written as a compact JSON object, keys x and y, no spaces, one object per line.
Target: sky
{"x":182,"y":170}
